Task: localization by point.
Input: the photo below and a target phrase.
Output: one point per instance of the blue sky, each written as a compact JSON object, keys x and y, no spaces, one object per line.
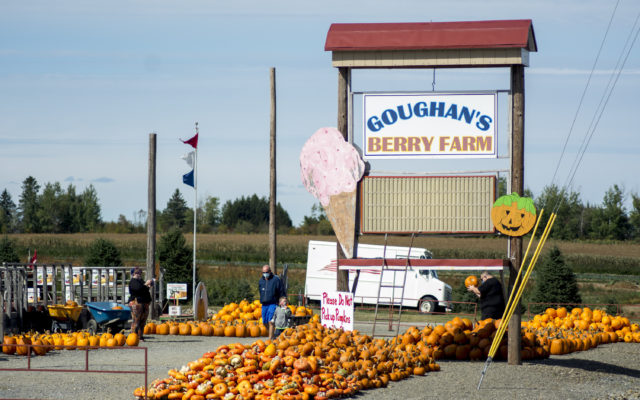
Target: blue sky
{"x":82,"y":84}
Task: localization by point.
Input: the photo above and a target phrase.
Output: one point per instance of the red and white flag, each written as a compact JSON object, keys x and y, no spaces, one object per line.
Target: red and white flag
{"x":34,"y":259}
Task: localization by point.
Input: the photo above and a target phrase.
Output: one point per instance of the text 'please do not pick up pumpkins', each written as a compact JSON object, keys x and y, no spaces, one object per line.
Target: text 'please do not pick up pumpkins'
{"x":513,"y":215}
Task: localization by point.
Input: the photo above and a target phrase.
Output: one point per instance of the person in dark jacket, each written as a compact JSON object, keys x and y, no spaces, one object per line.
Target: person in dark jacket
{"x":271,"y":289}
{"x":491,"y":296}
{"x":139,"y":300}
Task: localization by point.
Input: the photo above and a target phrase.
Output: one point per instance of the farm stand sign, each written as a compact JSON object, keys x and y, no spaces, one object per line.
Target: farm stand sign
{"x":430,"y":125}
{"x":337,"y":310}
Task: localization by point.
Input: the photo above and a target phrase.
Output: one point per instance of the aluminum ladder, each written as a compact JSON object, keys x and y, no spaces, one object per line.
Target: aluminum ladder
{"x":393,"y":286}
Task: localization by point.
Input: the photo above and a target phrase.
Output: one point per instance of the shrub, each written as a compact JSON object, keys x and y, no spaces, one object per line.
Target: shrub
{"x":460,"y":293}
{"x":7,"y":251}
{"x":555,"y":282}
{"x":103,"y":253}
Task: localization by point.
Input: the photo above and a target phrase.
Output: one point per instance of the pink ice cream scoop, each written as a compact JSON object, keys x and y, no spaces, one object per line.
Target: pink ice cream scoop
{"x":329,"y":165}
{"x":331,"y":169}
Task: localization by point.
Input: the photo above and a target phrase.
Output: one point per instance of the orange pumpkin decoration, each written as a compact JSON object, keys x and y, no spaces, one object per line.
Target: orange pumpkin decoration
{"x":513,"y":215}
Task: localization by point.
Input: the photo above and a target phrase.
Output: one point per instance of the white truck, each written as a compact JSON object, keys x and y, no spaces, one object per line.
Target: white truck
{"x":423,"y":289}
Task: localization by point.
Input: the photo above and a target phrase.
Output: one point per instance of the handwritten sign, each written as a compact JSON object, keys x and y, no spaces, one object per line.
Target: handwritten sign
{"x":337,"y":310}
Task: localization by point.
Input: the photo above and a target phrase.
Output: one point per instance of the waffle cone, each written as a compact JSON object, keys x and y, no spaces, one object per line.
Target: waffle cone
{"x":341,"y":212}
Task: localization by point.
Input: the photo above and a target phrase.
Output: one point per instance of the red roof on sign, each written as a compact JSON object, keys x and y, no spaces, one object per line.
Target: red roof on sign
{"x":431,"y":35}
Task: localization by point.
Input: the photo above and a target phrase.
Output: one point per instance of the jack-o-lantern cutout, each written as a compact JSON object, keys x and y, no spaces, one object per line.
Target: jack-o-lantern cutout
{"x":513,"y":215}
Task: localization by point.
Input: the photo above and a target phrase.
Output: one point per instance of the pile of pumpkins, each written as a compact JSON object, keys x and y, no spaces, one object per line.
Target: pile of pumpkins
{"x":305,"y":362}
{"x":243,"y":319}
{"x":584,"y":323}
{"x":43,"y":343}
{"x":251,"y":311}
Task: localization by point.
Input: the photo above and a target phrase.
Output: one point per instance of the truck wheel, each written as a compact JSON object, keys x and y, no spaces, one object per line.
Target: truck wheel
{"x":427,"y":304}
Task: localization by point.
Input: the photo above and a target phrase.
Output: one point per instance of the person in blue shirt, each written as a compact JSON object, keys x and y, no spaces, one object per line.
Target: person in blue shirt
{"x":271,"y":289}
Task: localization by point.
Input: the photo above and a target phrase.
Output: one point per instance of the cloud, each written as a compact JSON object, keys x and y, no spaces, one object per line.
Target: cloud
{"x":103,"y":179}
{"x":72,"y":179}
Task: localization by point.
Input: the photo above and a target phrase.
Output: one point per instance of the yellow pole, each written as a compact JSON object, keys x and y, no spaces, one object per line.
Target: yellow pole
{"x":524,"y":259}
{"x":503,"y":324}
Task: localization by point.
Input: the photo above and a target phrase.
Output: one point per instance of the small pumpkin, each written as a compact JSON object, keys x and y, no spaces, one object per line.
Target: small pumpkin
{"x":132,"y":339}
{"x":513,"y":215}
{"x":471,"y":280}
{"x":9,"y":345}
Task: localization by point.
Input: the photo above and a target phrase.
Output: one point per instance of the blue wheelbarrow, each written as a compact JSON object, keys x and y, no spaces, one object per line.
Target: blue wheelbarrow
{"x":107,"y":315}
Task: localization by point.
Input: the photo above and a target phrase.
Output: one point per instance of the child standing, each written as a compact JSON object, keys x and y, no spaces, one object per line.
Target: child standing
{"x":281,"y":317}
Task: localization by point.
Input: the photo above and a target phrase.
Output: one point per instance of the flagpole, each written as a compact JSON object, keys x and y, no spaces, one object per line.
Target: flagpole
{"x":195,"y":208}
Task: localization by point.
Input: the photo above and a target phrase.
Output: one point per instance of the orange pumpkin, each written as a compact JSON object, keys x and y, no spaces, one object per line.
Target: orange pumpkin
{"x":132,"y":339}
{"x":471,"y":280}
{"x":9,"y":345}
{"x":513,"y":215}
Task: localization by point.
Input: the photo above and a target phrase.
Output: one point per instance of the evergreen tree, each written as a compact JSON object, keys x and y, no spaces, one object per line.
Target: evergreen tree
{"x":103,"y":253}
{"x":252,"y":214}
{"x":90,"y":217}
{"x":71,"y":211}
{"x":634,"y":216}
{"x":554,"y":282}
{"x":7,"y":212}
{"x":7,"y":251}
{"x":29,"y":205}
{"x":50,"y":212}
{"x":175,"y":215}
{"x":176,"y":258}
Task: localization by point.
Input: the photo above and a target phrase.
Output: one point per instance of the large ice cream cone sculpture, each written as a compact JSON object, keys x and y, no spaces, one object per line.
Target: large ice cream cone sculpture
{"x":331,"y":169}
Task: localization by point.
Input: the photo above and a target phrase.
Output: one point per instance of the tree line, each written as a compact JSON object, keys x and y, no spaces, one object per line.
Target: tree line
{"x":57,"y":210}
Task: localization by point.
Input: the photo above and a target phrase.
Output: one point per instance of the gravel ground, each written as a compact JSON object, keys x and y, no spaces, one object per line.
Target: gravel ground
{"x":608,"y":372}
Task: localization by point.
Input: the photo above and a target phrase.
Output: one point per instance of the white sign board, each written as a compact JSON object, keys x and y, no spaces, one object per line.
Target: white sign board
{"x":430,"y":125}
{"x":337,"y":310}
{"x":31,"y":297}
{"x":175,"y":310}
{"x":40,"y":276}
{"x":176,"y":291}
{"x":104,"y":278}
{"x":77,"y":276}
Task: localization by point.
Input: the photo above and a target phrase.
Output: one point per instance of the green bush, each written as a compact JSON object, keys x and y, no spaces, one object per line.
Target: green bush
{"x":103,"y":253}
{"x":7,"y":251}
{"x":555,"y":282}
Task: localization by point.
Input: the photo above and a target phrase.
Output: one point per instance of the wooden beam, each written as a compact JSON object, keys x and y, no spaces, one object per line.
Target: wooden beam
{"x":344,"y":77}
{"x":517,"y":185}
{"x":151,"y":222}
{"x":272,"y":176}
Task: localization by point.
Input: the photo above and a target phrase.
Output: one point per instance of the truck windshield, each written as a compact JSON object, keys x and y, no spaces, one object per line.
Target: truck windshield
{"x":429,"y":273}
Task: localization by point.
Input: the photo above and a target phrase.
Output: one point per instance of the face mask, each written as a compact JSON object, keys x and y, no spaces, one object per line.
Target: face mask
{"x":266,"y":274}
